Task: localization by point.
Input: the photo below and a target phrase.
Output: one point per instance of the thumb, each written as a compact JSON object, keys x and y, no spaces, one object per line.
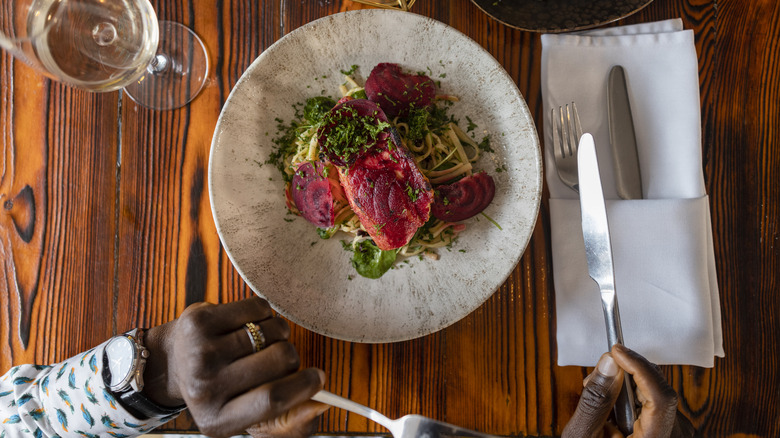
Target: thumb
{"x":598,"y":397}
{"x":298,"y":422}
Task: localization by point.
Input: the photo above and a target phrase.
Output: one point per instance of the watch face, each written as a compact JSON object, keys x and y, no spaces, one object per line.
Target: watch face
{"x":120,"y":352}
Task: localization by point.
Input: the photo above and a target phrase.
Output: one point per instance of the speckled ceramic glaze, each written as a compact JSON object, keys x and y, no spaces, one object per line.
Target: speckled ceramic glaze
{"x":559,"y":15}
{"x":311,"y":281}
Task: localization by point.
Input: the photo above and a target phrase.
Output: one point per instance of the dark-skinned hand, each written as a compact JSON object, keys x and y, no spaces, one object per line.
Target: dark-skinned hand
{"x":205,"y":358}
{"x":658,"y":417}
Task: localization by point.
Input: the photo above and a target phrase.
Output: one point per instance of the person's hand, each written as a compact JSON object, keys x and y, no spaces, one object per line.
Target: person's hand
{"x":212,"y":366}
{"x":658,"y":417}
{"x":295,"y":423}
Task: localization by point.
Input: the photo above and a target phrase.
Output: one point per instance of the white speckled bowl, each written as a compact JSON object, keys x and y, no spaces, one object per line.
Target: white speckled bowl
{"x":314,"y":284}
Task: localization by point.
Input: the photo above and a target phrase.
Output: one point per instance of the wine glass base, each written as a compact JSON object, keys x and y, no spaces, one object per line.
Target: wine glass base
{"x":178,"y":73}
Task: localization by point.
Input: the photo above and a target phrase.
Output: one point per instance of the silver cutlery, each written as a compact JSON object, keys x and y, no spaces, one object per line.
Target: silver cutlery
{"x":408,"y":426}
{"x":622,"y":137}
{"x":598,"y":250}
{"x":566,"y":132}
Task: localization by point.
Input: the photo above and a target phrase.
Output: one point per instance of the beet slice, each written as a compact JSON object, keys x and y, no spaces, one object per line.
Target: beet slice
{"x":464,"y":198}
{"x":397,"y":92}
{"x":288,"y":199}
{"x":389,"y":194}
{"x":352,"y":128}
{"x":314,"y":189}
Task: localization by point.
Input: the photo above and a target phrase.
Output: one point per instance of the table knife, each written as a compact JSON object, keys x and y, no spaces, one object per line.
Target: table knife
{"x":598,"y":251}
{"x":622,"y":137}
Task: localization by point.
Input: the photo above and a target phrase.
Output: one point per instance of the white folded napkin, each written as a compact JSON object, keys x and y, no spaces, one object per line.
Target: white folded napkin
{"x":664,"y":260}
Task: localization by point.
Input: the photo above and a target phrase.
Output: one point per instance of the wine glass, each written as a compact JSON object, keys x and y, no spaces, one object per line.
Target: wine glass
{"x":106,"y":45}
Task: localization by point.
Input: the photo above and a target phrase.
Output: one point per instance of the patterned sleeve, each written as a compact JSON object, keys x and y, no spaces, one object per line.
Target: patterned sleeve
{"x":68,"y":399}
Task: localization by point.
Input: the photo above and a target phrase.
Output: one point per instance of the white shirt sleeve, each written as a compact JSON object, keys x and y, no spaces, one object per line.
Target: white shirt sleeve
{"x":67,"y":399}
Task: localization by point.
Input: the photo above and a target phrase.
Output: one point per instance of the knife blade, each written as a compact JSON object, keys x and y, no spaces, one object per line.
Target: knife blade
{"x":598,"y":251}
{"x":622,"y":137}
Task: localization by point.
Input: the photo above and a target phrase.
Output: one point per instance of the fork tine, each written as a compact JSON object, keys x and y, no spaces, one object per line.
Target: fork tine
{"x":565,"y":118}
{"x":557,"y":150}
{"x":573,"y":137}
{"x":577,"y":125}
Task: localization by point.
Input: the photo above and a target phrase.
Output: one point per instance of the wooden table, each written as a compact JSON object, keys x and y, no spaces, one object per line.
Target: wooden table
{"x":106,"y":225}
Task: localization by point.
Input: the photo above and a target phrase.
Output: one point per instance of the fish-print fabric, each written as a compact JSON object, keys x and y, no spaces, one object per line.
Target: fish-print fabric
{"x":67,"y":399}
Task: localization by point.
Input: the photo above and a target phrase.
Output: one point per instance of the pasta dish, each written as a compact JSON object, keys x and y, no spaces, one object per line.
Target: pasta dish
{"x":442,"y":151}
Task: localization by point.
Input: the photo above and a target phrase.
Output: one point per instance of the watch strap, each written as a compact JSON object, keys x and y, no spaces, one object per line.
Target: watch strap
{"x":143,"y":408}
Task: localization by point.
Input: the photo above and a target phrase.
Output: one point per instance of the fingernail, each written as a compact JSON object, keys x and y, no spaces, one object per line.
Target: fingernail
{"x":607,"y":366}
{"x":620,"y":348}
{"x":322,"y":377}
{"x":321,"y":408}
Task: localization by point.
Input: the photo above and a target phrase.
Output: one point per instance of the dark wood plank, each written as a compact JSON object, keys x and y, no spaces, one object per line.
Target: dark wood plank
{"x":167,"y":239}
{"x":741,"y":161}
{"x":56,"y":238}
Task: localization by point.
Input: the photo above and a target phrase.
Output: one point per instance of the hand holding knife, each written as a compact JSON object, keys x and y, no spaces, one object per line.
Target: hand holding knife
{"x":598,"y":250}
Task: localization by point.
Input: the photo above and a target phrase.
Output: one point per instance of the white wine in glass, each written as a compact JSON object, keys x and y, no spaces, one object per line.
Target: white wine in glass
{"x":105,"y":45}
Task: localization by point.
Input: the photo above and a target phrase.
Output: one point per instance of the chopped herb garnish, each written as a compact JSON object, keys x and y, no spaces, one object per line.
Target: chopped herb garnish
{"x":351,"y":70}
{"x":471,"y":126}
{"x":316,"y":108}
{"x":438,"y":118}
{"x":350,"y":134}
{"x":326,"y":233}
{"x":418,"y":125}
{"x":492,"y":221}
{"x":485,"y":144}
{"x":413,"y":194}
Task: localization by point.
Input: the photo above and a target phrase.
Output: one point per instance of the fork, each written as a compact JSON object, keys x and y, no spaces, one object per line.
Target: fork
{"x":566,"y":132}
{"x":408,"y":426}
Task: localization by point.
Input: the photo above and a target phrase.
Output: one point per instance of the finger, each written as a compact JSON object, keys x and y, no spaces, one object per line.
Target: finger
{"x":659,"y":400}
{"x":587,"y":378}
{"x":598,"y":398}
{"x":225,"y":318}
{"x":274,"y":362}
{"x":298,"y":422}
{"x":611,"y":431}
{"x":265,"y":403}
{"x":239,"y":342}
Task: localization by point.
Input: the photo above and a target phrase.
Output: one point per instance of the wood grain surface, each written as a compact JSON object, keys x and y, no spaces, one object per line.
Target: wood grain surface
{"x":105,"y":225}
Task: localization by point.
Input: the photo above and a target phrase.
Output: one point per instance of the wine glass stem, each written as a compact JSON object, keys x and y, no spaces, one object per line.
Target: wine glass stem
{"x":159,"y":64}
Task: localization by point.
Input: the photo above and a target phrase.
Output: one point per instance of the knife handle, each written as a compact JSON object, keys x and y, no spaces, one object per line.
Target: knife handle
{"x":625,"y":408}
{"x":625,"y":412}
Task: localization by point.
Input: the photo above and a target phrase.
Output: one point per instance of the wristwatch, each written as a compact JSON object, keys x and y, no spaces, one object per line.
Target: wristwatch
{"x":124,"y":359}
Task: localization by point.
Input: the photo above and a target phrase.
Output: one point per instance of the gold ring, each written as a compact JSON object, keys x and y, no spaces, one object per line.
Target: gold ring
{"x":255,"y":335}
